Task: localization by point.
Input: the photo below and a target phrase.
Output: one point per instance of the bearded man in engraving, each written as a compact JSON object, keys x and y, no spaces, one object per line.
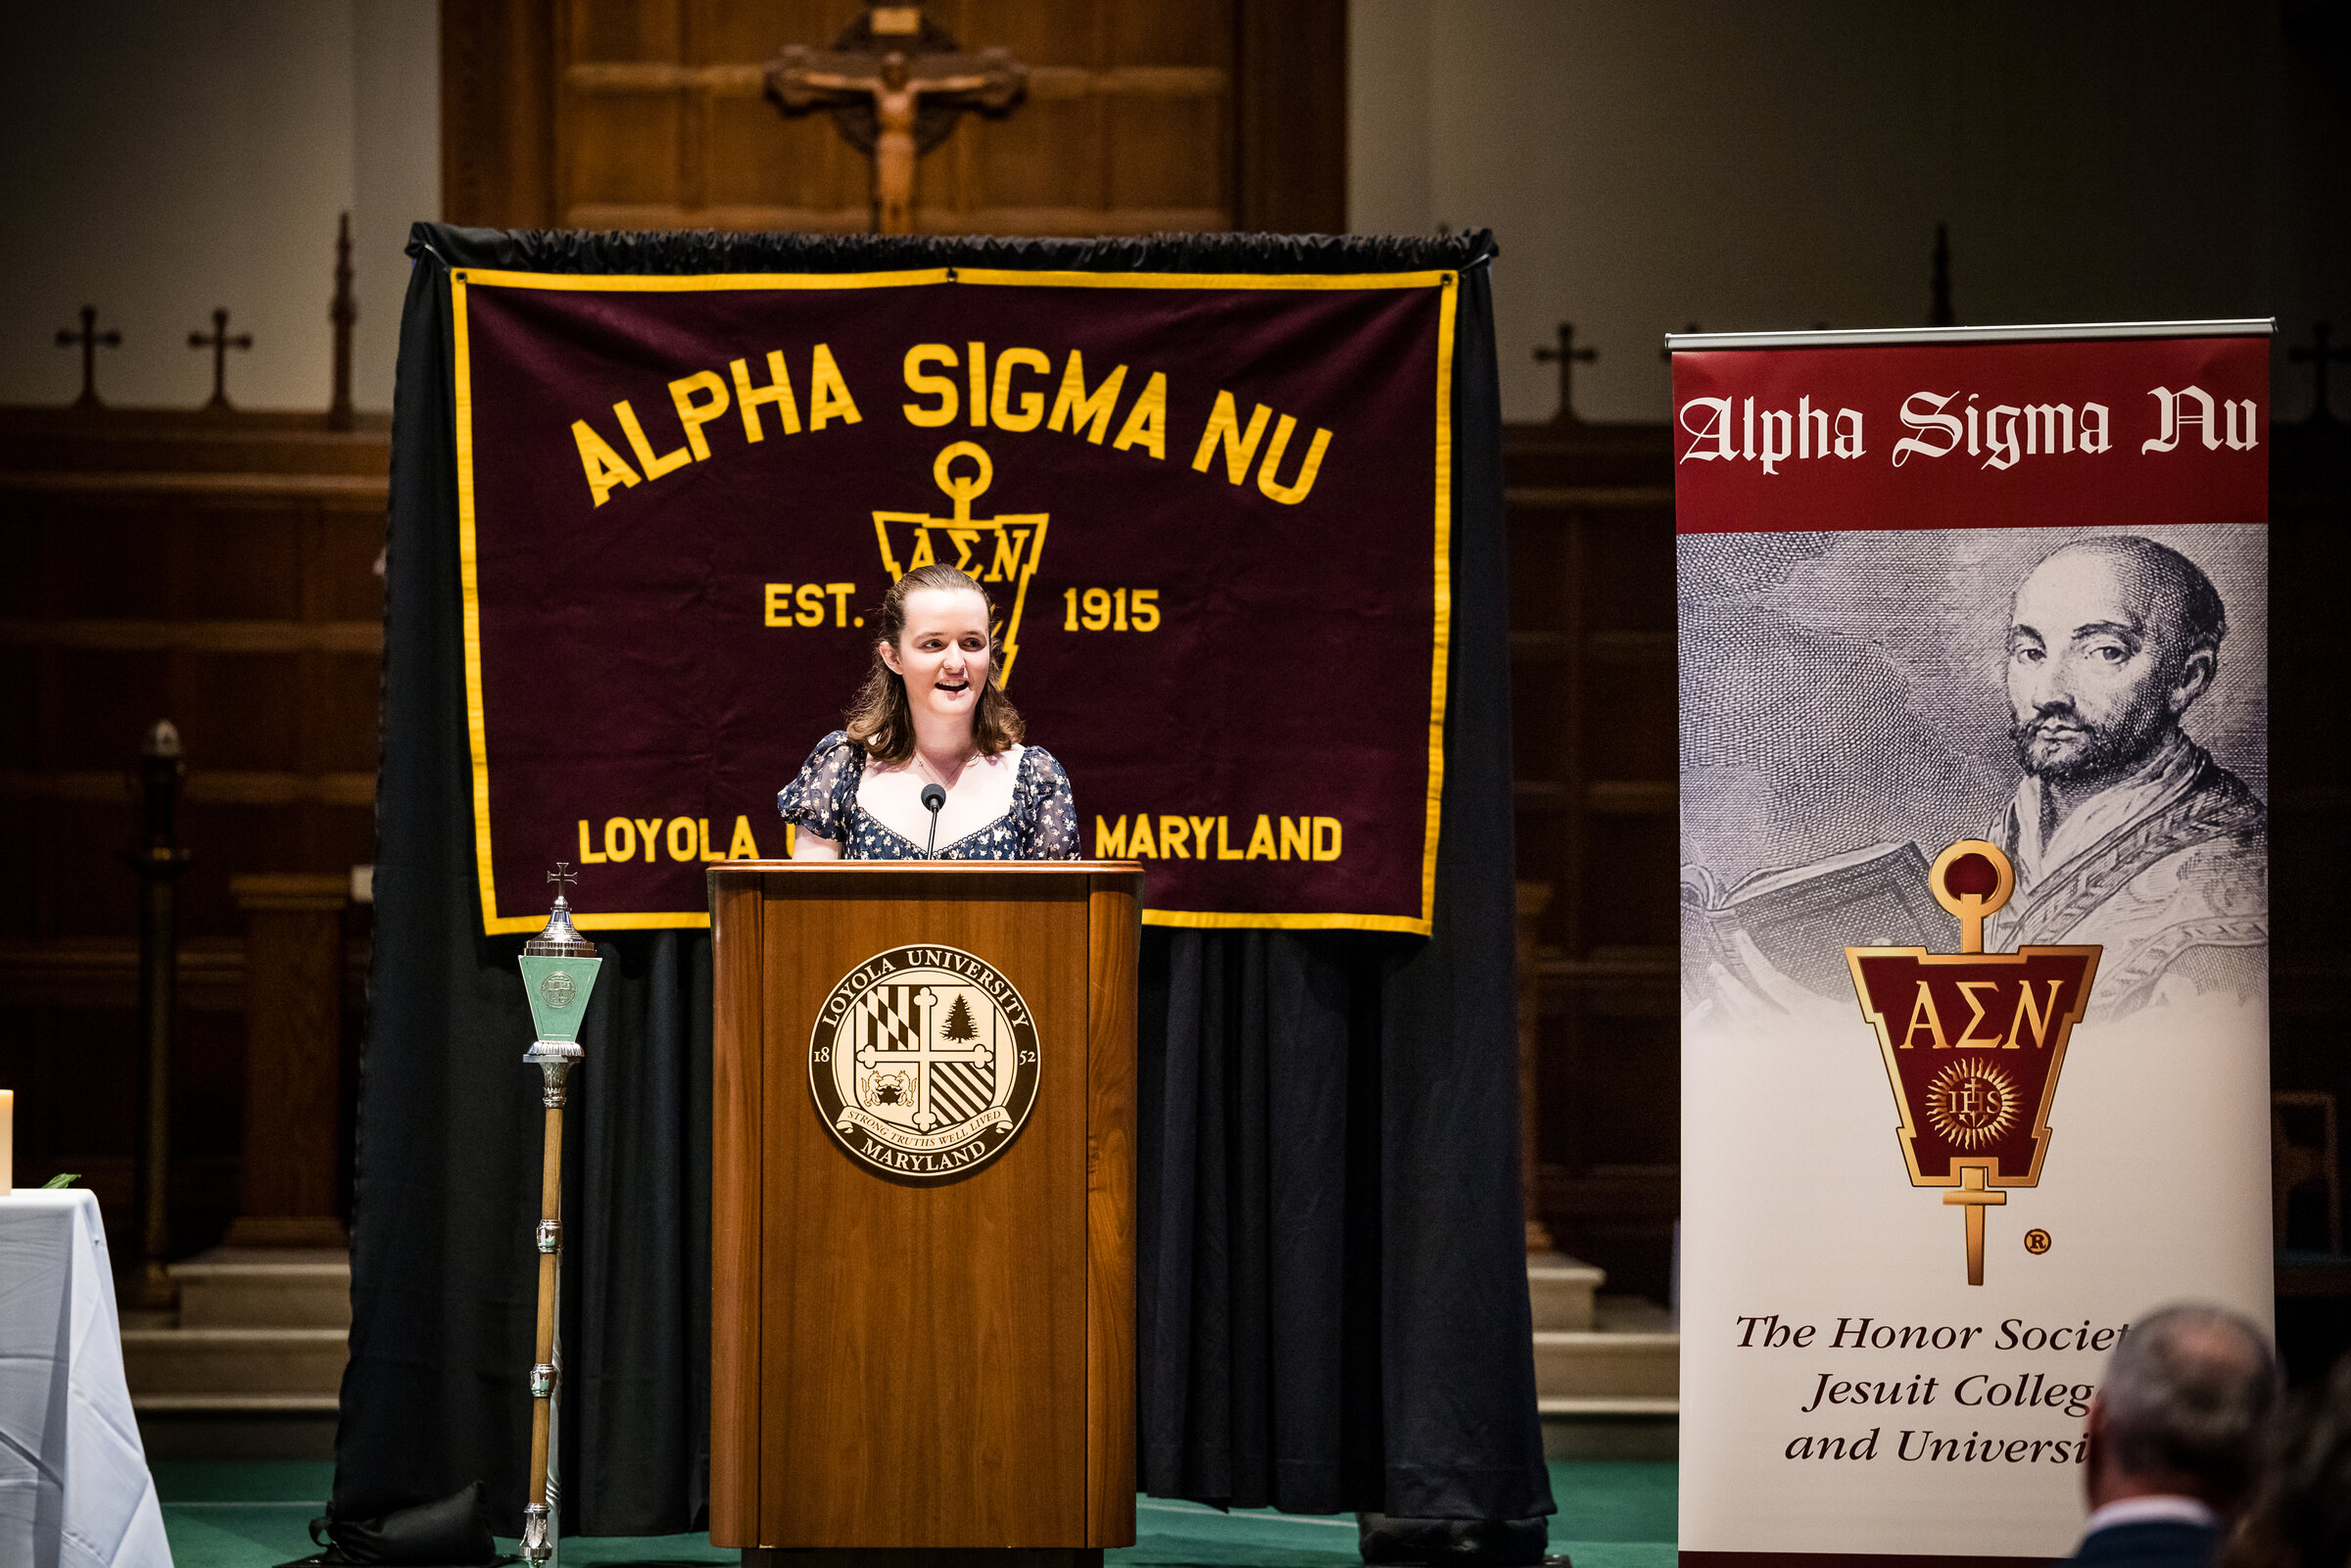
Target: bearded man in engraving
{"x":2124,"y":831}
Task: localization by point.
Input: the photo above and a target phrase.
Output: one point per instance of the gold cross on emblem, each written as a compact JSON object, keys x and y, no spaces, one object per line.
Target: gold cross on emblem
{"x":1004,"y":549}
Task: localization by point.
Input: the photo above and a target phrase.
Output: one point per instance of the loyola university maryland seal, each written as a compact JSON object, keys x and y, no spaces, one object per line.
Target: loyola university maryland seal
{"x":923,"y":1064}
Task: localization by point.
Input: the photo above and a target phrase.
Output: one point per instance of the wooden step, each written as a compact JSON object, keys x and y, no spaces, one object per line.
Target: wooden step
{"x":1606,"y":1367}
{"x":1561,"y":1292}
{"x":255,"y":1287}
{"x":234,"y":1368}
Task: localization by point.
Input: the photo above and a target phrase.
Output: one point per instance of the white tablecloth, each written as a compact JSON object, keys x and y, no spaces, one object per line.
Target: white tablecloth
{"x":75,"y":1491}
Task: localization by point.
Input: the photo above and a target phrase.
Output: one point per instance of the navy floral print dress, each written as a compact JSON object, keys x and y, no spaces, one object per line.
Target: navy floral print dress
{"x":1043,"y":824}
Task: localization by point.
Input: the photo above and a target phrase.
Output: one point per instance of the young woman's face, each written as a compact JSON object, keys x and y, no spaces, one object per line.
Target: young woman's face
{"x":942,"y":655}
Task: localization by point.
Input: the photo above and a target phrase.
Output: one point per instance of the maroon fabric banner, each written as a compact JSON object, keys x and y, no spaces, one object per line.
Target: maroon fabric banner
{"x":1212,"y":513}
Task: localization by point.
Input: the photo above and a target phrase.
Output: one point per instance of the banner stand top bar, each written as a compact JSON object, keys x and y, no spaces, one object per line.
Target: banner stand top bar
{"x":2258,"y":326}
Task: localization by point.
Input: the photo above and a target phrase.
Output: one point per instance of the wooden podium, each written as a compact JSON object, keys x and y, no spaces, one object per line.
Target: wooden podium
{"x":923,"y":1350}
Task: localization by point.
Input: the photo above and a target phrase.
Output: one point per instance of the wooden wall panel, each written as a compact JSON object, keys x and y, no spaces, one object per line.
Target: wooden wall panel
{"x":1592,"y":706}
{"x":497,"y":126}
{"x":217,"y":571}
{"x":1141,"y":115}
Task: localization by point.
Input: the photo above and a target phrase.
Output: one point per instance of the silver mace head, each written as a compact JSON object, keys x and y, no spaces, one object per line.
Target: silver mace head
{"x":558,"y":973}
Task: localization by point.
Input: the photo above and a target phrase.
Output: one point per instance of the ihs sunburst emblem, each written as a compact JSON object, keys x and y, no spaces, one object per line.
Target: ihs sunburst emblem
{"x":1971,"y":1103}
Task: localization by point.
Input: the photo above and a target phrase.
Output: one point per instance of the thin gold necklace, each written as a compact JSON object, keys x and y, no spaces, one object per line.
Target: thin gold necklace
{"x":923,"y":763}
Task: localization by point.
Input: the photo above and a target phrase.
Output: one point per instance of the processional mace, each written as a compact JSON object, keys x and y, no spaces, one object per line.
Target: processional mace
{"x":559,"y":972}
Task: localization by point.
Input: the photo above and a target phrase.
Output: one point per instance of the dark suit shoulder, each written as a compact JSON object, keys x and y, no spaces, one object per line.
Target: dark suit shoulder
{"x":2152,"y":1543}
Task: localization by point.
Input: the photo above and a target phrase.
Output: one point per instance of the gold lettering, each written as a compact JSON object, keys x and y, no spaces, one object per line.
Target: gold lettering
{"x":620,"y":839}
{"x":1969,"y":1039}
{"x":1296,"y":838}
{"x":1327,"y":837}
{"x":1138,"y":840}
{"x":1202,"y":829}
{"x":1291,"y":494}
{"x":605,"y":468}
{"x":2044,"y":1014}
{"x":1224,"y":424}
{"x":1074,"y":407}
{"x":588,"y":856}
{"x":1923,"y":1010}
{"x":1223,"y":852}
{"x":1174,"y":834}
{"x":744,"y":846}
{"x":1033,"y":404}
{"x":976,"y":368}
{"x":777,"y":391}
{"x":648,"y":836}
{"x":686,"y":849}
{"x":1261,"y":840}
{"x":706,"y":853}
{"x":829,"y":396}
{"x":779,"y":604}
{"x":840,"y":592}
{"x":693,"y":415}
{"x":940,"y":387}
{"x":811,"y":601}
{"x":1146,"y":423}
{"x":654,"y":467}
{"x":1109,"y":838}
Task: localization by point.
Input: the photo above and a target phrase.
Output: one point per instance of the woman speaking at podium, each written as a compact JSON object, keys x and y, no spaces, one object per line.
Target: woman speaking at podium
{"x":931,"y":765}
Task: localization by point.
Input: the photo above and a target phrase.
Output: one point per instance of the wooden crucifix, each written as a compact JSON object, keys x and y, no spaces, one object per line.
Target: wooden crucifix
{"x":2319,"y":356}
{"x":1569,"y":356}
{"x":219,"y":343}
{"x":895,"y":83}
{"x":92,"y":341}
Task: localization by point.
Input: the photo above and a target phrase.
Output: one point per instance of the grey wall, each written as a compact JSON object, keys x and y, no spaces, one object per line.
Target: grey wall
{"x":1756,"y":165}
{"x":168,"y":157}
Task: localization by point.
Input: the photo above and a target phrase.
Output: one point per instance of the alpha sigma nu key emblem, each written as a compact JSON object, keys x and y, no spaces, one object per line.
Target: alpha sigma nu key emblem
{"x":1004,"y":549}
{"x":1974,"y":1042}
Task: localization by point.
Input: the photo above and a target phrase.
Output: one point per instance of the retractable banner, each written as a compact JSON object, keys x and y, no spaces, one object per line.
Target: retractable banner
{"x":1975,"y":920}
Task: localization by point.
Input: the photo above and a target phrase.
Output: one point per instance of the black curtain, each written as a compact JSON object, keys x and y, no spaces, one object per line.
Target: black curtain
{"x":1331,"y":1273}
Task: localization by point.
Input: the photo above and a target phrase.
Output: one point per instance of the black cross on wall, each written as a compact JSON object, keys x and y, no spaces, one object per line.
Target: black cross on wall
{"x":92,"y":341}
{"x":219,"y":343}
{"x":1566,"y":355}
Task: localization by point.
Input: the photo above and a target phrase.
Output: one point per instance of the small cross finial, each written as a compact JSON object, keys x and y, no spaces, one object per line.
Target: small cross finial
{"x":343,"y":313}
{"x":1939,"y":286}
{"x":560,"y":875}
{"x":219,"y":343}
{"x":1567,"y":356}
{"x":91,"y":340}
{"x":2319,"y":356}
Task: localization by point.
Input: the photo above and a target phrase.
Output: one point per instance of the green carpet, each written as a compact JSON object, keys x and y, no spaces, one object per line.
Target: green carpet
{"x":255,"y":1513}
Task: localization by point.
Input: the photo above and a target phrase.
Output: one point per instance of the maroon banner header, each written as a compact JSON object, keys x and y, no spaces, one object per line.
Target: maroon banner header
{"x":1971,"y":434}
{"x":1213,"y":511}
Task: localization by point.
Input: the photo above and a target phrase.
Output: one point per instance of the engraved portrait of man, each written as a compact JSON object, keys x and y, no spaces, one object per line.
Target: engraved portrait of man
{"x":2123,"y":831}
{"x":1834,"y":739}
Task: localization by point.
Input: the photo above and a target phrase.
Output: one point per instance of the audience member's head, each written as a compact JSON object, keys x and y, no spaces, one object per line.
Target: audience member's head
{"x":2183,"y":1409}
{"x":2300,"y":1516}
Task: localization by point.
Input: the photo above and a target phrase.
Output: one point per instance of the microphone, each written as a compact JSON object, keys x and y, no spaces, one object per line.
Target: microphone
{"x":934,"y":798}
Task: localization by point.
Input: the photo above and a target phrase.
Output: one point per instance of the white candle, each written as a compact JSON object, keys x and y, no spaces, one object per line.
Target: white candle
{"x":8,"y":1141}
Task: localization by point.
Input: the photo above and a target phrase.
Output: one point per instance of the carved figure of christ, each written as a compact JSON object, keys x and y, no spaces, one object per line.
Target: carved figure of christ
{"x":897,"y":84}
{"x":927,"y":1050}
